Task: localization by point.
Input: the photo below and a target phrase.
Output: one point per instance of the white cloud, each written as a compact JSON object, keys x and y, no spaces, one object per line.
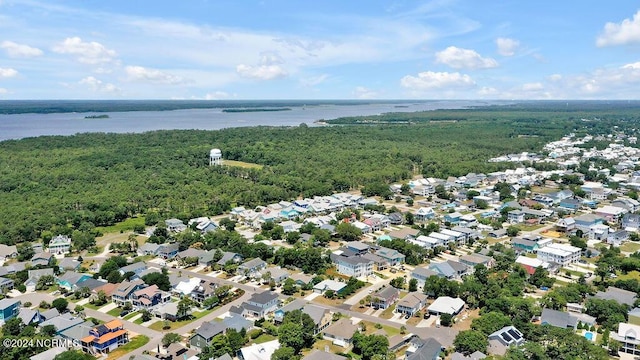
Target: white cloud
{"x":3,"y":91}
{"x":139,"y":73}
{"x":8,"y":72}
{"x":459,"y":58}
{"x":362,"y":92}
{"x":555,"y":77}
{"x":261,"y":72}
{"x":217,"y":95}
{"x":634,"y":66}
{"x":429,"y":80}
{"x":626,"y":32}
{"x":532,"y":86}
{"x":87,"y":52}
{"x":98,"y":86}
{"x":314,"y":80}
{"x":20,"y":50}
{"x":507,"y":46}
{"x":487,"y":91}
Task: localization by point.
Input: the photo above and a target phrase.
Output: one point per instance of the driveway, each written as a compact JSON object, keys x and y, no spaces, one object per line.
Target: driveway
{"x":105,"y":309}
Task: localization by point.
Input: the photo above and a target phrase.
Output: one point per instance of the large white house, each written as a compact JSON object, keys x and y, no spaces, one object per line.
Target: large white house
{"x":60,"y":244}
{"x":562,"y":254}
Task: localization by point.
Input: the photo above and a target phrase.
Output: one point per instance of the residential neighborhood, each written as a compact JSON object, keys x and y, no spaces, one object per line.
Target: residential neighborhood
{"x":559,"y":248}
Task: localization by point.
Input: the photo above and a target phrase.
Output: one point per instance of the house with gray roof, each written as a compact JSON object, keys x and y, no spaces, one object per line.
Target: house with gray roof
{"x":6,"y":284}
{"x":565,"y":320}
{"x":385,"y":297}
{"x":301,"y":279}
{"x":69,"y":264}
{"x":507,"y":336}
{"x":49,"y":314}
{"x":125,"y":290}
{"x":135,"y":268}
{"x":34,"y":276}
{"x":208,"y":330}
{"x":443,"y":269}
{"x":422,"y":274}
{"x":42,"y":259}
{"x":428,"y":349}
{"x":63,"y":322}
{"x":251,"y":268}
{"x":475,"y":356}
{"x":259,"y":305}
{"x":229,"y":256}
{"x":70,"y":279}
{"x":621,"y":296}
{"x":411,"y":303}
{"x":190,"y":253}
{"x":8,"y":252}
{"x":168,"y":251}
{"x":392,"y":256}
{"x":30,"y":316}
{"x":340,"y":332}
{"x":276,"y":274}
{"x":148,"y":249}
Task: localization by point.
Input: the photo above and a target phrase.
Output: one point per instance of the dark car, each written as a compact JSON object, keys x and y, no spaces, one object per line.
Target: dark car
{"x":407,"y":316}
{"x":427,"y":315}
{"x":124,"y":312}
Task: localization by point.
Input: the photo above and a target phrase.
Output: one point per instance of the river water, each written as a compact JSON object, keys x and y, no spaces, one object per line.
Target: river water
{"x":18,"y":126}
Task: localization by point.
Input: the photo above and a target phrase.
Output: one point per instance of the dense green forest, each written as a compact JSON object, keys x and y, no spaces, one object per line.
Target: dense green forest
{"x":87,"y":180}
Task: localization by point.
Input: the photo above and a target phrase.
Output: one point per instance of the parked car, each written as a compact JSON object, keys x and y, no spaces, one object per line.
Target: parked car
{"x":407,"y":316}
{"x":124,"y":312}
{"x":427,"y":315}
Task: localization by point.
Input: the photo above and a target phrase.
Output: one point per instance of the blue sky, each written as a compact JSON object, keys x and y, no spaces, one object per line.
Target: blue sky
{"x":330,"y":49}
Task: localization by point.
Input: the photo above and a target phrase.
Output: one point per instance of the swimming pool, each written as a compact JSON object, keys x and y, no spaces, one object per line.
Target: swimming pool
{"x":588,"y":335}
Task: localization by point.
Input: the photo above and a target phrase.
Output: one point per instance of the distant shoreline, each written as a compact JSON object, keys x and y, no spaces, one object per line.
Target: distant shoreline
{"x":102,"y":116}
{"x":12,"y":107}
{"x":255,"y":110}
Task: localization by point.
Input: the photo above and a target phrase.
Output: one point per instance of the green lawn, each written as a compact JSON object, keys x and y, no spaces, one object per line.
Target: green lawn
{"x":115,"y":312}
{"x":130,"y":315}
{"x":176,"y":324}
{"x":629,"y":276}
{"x":241,"y":164}
{"x":98,"y":251}
{"x":388,"y":312}
{"x":630,"y":247}
{"x":264,"y":338}
{"x":91,"y":306}
{"x":138,"y":321}
{"x":126,"y":225}
{"x":135,"y":343}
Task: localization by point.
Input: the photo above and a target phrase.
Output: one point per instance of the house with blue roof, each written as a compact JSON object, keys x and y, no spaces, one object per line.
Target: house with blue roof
{"x":9,"y":308}
{"x":571,"y":204}
{"x":393,"y":257}
{"x":70,"y":279}
{"x":453,"y":217}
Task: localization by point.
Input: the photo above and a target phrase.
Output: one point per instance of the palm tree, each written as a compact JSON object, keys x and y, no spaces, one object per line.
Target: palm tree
{"x":184,"y":307}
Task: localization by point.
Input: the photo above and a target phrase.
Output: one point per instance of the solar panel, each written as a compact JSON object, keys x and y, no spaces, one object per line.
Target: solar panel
{"x":506,"y":337}
{"x":514,"y":334}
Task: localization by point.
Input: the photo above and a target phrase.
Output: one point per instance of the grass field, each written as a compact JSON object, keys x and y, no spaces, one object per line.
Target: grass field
{"x":630,"y":247}
{"x":130,"y":315}
{"x":133,"y":344}
{"x":115,"y":312}
{"x":631,"y":275}
{"x":123,"y":226}
{"x":264,"y":338}
{"x":91,"y":306}
{"x":242,"y":164}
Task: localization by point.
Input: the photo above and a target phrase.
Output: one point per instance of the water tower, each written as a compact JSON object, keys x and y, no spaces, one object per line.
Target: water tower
{"x":215,"y":157}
